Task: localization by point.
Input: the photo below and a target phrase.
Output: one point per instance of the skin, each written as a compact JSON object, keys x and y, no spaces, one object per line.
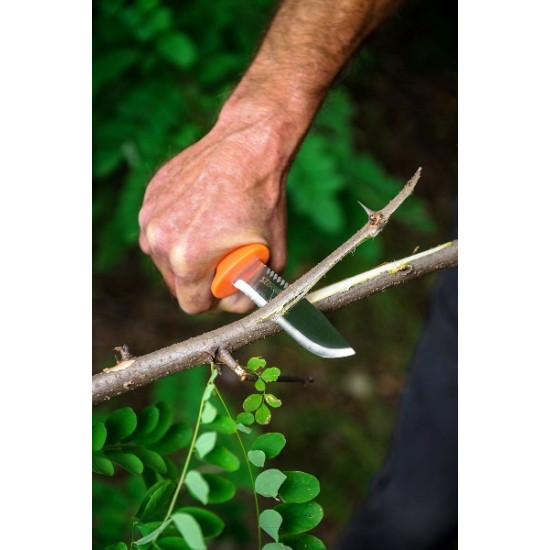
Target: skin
{"x":228,"y":189}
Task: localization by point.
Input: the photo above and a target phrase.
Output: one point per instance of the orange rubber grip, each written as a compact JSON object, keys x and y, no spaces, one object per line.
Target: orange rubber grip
{"x":234,"y":263}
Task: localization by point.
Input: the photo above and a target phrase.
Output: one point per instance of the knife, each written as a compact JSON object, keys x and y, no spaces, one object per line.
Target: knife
{"x":244,"y":269}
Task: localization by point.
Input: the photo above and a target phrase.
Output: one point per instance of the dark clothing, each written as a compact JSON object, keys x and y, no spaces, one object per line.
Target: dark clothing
{"x":412,"y":503}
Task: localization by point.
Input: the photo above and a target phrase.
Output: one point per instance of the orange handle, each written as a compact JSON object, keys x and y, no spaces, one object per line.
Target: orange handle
{"x":234,"y":263}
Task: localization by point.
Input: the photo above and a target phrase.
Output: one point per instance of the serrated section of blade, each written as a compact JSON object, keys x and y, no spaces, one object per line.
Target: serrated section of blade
{"x":303,"y":322}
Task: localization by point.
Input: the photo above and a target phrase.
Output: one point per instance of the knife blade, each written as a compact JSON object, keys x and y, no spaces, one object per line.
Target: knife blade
{"x":244,"y":270}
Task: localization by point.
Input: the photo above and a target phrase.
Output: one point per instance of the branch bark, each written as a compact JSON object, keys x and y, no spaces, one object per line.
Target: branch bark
{"x":218,"y":344}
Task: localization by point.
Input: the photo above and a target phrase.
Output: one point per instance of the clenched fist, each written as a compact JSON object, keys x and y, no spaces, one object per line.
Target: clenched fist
{"x":225,"y":191}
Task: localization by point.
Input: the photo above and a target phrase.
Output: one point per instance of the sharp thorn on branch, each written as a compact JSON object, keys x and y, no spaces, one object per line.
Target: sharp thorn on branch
{"x":125,"y":354}
{"x":370,"y":213}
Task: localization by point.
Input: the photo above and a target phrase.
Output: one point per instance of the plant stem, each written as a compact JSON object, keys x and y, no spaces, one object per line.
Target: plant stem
{"x":189,"y":454}
{"x":249,"y":468}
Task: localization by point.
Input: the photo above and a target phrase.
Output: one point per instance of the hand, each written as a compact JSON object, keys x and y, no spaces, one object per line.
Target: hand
{"x":225,"y":191}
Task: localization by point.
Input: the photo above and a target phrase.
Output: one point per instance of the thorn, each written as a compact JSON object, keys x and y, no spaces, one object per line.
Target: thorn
{"x":125,"y":354}
{"x":369,"y":212}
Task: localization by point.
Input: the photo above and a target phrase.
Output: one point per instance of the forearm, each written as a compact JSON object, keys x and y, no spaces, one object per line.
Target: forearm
{"x":307,"y":44}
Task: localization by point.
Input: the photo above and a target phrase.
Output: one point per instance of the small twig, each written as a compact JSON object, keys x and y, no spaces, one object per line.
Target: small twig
{"x":225,"y":356}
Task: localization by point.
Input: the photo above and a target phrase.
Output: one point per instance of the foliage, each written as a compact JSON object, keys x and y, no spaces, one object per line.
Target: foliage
{"x":139,"y":443}
{"x":160,"y":73}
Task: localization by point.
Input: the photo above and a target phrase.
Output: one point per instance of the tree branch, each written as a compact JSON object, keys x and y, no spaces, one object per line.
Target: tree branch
{"x":218,"y":344}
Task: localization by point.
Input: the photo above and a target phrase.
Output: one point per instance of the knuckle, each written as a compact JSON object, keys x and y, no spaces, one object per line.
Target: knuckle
{"x":187,"y":261}
{"x":157,"y":237}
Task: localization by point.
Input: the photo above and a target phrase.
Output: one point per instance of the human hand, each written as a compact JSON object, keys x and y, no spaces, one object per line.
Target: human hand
{"x":225,"y":191}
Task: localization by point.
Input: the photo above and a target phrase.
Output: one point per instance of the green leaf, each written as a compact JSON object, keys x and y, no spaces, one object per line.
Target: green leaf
{"x":252,"y":402}
{"x":130,"y":462}
{"x":257,"y":458}
{"x":177,"y":48}
{"x":268,"y":482}
{"x":221,"y":490}
{"x":303,"y":542}
{"x":298,"y":518}
{"x":270,"y":522}
{"x":271,"y":374}
{"x":147,"y":528}
{"x":243,"y":428}
{"x":276,"y":546}
{"x":117,"y":546}
{"x":223,"y":458}
{"x":208,"y":413}
{"x":245,"y":418}
{"x":263,"y":415}
{"x":178,"y":436}
{"x":151,"y":459}
{"x":270,"y":443}
{"x":156,"y":501}
{"x":272,"y":401}
{"x":197,"y":486}
{"x":99,"y":434}
{"x":147,"y":421}
{"x":153,"y":534}
{"x":255,"y":363}
{"x":102,"y":465}
{"x":162,"y":426}
{"x":299,"y":487}
{"x":210,"y":524}
{"x":224,"y":425}
{"x":120,"y":424}
{"x":259,"y":385}
{"x":205,"y":443}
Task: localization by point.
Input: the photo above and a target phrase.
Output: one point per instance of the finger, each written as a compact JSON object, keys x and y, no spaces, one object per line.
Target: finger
{"x":236,"y":303}
{"x":143,"y":244}
{"x":193,"y":297}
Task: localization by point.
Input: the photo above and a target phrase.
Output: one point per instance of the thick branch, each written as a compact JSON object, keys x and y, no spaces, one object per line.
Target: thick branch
{"x":202,"y":349}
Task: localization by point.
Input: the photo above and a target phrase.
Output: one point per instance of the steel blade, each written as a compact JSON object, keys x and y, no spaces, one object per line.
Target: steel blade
{"x":303,"y":322}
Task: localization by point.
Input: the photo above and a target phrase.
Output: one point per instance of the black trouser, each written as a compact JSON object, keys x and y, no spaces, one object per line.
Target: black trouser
{"x":412,"y":503}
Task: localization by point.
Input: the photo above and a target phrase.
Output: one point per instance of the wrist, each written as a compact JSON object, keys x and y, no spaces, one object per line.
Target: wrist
{"x":279,"y":113}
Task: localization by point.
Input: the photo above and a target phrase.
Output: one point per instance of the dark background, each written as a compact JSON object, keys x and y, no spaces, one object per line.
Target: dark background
{"x":161,"y":73}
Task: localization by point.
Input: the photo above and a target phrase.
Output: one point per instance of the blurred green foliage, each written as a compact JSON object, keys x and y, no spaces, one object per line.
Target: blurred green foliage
{"x":161,"y":70}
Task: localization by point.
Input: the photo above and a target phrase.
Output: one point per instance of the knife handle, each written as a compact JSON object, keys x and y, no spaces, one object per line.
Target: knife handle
{"x":232,"y":264}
